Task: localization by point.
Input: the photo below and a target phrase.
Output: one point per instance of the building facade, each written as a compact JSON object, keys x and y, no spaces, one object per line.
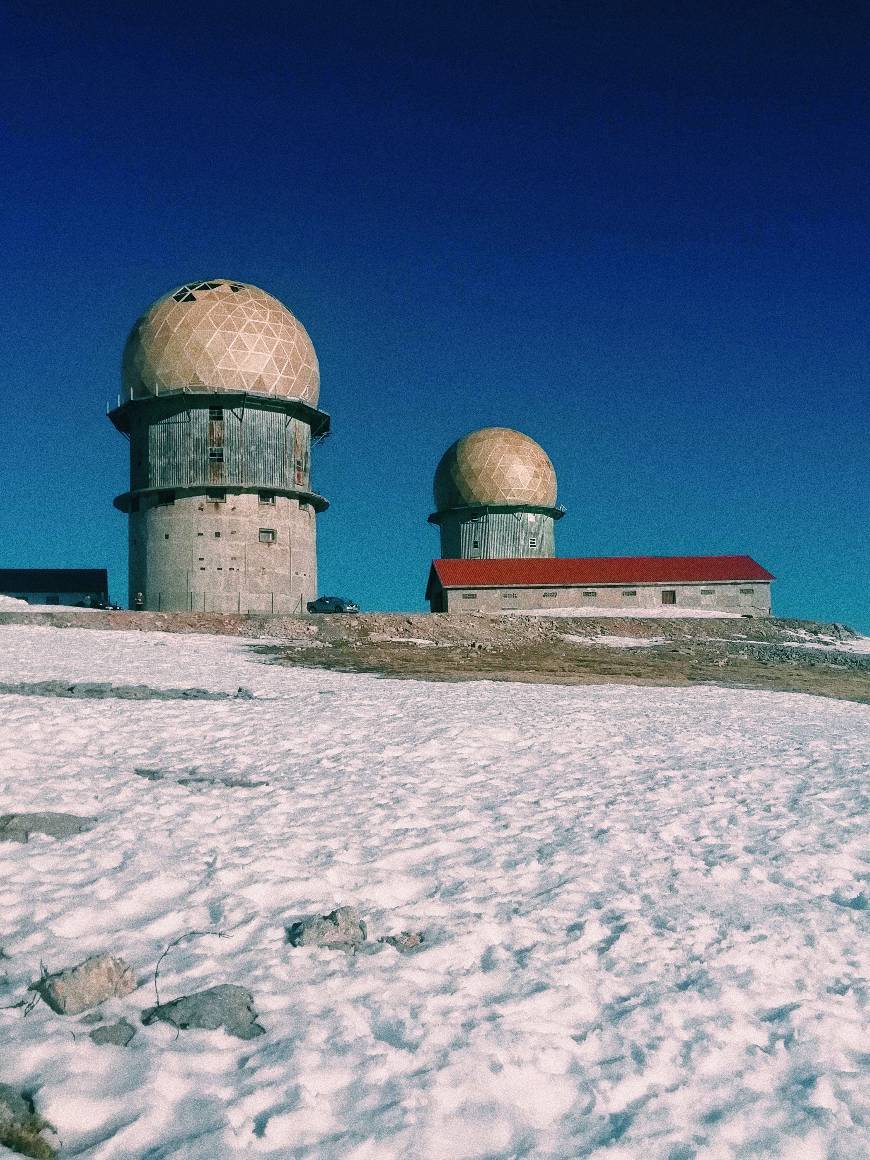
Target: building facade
{"x":220,"y":392}
{"x":495,"y":497}
{"x":727,"y":584}
{"x":79,"y":587}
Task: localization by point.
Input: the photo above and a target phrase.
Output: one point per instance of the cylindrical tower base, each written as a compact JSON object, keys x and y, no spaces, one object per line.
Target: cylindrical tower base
{"x":236,"y":554}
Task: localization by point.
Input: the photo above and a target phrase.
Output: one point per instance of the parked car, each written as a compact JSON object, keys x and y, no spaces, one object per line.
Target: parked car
{"x":332,"y":604}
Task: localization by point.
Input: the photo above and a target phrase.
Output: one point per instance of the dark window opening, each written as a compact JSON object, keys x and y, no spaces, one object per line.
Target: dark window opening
{"x":706,"y":591}
{"x":267,"y":497}
{"x":475,"y":543}
{"x":165,"y":497}
{"x":268,"y":535}
{"x":549,"y":595}
{"x":469,"y":596}
{"x":217,"y":535}
{"x":533,"y":542}
{"x":590,"y":594}
{"x":216,"y":454}
{"x":508,"y":595}
{"x":216,"y":414}
{"x":629,"y":592}
{"x":669,"y":596}
{"x":216,"y":495}
{"x":746,"y":591}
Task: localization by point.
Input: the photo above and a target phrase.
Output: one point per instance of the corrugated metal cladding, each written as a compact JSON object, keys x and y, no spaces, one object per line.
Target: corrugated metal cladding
{"x":511,"y":535}
{"x":247,"y":448}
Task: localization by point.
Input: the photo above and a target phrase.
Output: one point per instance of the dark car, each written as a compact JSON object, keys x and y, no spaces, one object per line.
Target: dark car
{"x":332,"y":604}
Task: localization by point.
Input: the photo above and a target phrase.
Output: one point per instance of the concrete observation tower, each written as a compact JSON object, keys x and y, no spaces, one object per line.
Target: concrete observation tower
{"x":219,"y":402}
{"x":495,"y":497}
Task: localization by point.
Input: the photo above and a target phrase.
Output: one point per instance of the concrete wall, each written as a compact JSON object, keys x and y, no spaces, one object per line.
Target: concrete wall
{"x":491,"y":535}
{"x":204,"y":556}
{"x":749,"y":597}
{"x":54,"y":597}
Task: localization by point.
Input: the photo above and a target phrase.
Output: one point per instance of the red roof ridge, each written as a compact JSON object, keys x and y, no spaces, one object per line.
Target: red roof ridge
{"x":588,"y":570}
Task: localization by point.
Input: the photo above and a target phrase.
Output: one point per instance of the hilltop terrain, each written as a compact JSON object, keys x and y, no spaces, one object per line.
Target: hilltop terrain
{"x":828,"y":660}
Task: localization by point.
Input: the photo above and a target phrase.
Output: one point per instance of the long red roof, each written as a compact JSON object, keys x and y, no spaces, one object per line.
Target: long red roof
{"x":551,"y":571}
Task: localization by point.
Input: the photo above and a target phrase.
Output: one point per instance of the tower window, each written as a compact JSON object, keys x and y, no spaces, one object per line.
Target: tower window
{"x":629,"y":592}
{"x":508,"y":595}
{"x":165,"y":497}
{"x":216,"y":454}
{"x":590,"y":594}
{"x":549,"y":595}
{"x":216,"y":414}
{"x":267,"y":497}
{"x":475,"y":543}
{"x":469,"y":596}
{"x":746,"y":591}
{"x":216,"y":495}
{"x":268,"y":535}
{"x":706,"y":591}
{"x":217,"y":535}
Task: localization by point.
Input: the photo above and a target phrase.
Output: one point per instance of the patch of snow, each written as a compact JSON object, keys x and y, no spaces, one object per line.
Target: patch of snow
{"x":642,"y":911}
{"x":12,"y":604}
{"x":614,"y":641}
{"x":384,"y":638}
{"x":859,"y":645}
{"x":666,"y":612}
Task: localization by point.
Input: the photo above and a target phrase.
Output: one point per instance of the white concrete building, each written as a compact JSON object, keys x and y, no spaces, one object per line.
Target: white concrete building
{"x":734,"y":584}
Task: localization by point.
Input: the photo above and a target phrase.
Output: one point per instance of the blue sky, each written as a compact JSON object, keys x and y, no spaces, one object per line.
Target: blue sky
{"x":637,"y":232}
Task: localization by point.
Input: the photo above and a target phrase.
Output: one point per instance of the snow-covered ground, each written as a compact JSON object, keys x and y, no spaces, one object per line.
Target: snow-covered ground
{"x":666,"y":612}
{"x":643,"y":911}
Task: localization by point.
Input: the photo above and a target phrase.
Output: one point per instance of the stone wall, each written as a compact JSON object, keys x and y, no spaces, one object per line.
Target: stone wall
{"x":749,"y":597}
{"x":204,"y":556}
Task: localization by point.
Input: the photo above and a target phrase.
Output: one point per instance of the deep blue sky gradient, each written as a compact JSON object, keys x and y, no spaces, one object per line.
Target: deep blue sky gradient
{"x":637,"y":232}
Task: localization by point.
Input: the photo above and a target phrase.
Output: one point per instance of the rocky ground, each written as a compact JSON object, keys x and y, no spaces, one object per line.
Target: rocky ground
{"x":774,"y":654}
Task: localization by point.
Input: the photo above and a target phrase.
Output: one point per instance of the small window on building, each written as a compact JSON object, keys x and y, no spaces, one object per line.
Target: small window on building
{"x":629,"y":592}
{"x":165,"y":497}
{"x":669,"y":596}
{"x":533,"y":541}
{"x":469,"y":596}
{"x":475,"y":543}
{"x":549,"y":595}
{"x":590,"y":594}
{"x":216,"y":414}
{"x":746,"y":591}
{"x":217,"y":535}
{"x":166,"y":535}
{"x":216,"y":495}
{"x":508,"y":595}
{"x":268,"y":535}
{"x":267,"y":497}
{"x":706,"y":591}
{"x":216,"y":454}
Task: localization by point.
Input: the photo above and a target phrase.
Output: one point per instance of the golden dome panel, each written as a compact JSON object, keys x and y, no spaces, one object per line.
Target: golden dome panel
{"x":494,"y":467}
{"x":220,"y":336}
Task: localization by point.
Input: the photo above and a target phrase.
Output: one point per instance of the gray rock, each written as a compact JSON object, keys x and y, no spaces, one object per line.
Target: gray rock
{"x":92,"y":982}
{"x":406,"y":942}
{"x":22,"y":1129}
{"x":226,"y":1006}
{"x":116,"y":1034}
{"x":341,"y":929}
{"x":19,"y":827}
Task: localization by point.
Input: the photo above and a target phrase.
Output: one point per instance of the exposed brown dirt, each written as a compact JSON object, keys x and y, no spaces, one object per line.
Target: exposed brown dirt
{"x":770,"y":654}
